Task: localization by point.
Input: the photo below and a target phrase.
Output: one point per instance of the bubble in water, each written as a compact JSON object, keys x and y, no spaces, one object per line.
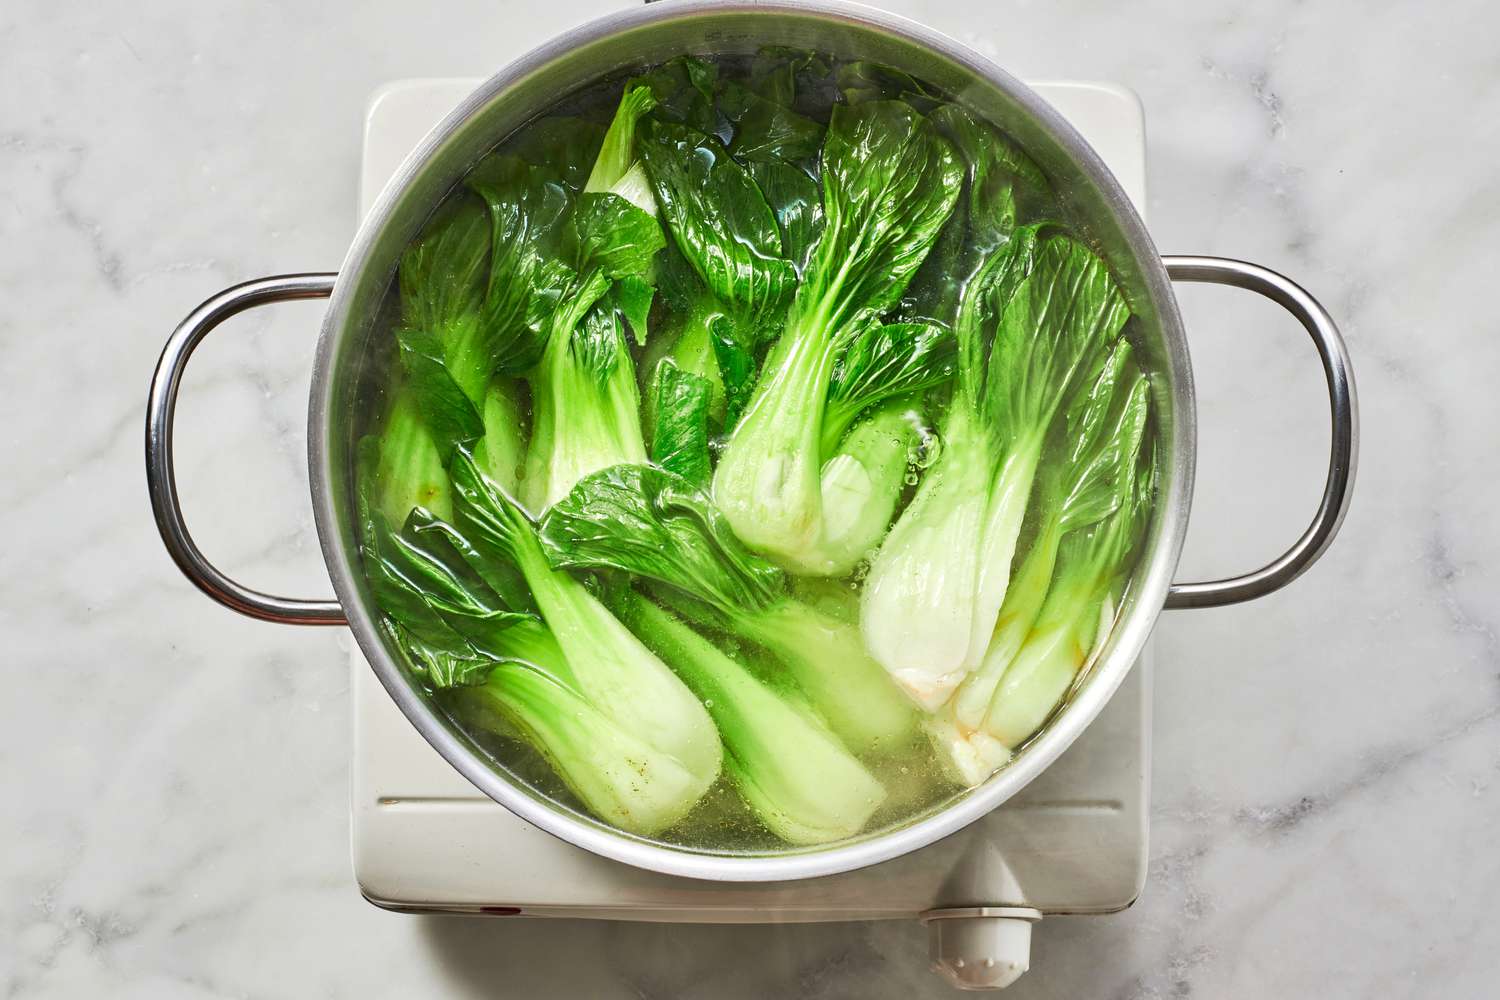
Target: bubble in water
{"x":929,"y":447}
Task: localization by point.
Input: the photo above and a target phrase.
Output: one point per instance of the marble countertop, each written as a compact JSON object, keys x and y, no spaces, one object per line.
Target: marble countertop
{"x":1327,"y":760}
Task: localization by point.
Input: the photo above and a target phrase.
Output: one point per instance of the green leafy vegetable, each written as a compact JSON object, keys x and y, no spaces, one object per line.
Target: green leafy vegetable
{"x":529,"y":207}
{"x":442,"y":349}
{"x":795,"y":199}
{"x":632,"y":298}
{"x":569,"y":276}
{"x":437,"y":610}
{"x":1087,"y":585}
{"x":440,"y":659}
{"x":719,"y":220}
{"x":634,"y":517}
{"x":779,"y":146}
{"x":442,"y":340}
{"x":824,"y":655}
{"x":1002,"y":187}
{"x":501,"y":452}
{"x":863,"y":81}
{"x":889,"y":183}
{"x":442,"y":277}
{"x":679,"y":441}
{"x":565,"y":145}
{"x":617,"y":156}
{"x":615,"y":237}
{"x":1104,"y":429}
{"x":789,"y":768}
{"x":935,"y":588}
{"x":767,"y":128}
{"x":884,"y":361}
{"x":657,"y":526}
{"x":410,"y":469}
{"x":685,"y":337}
{"x":744,"y":232}
{"x":649,"y":707}
{"x":584,"y":399}
{"x":449,"y":414}
{"x":616,"y":769}
{"x":860,"y":483}
{"x":457,"y":631}
{"x":684,"y":90}
{"x":727,"y":234}
{"x":798,"y":78}
{"x":735,"y":360}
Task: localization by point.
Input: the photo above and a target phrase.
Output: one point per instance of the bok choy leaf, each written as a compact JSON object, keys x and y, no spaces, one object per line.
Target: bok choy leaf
{"x":685,"y":92}
{"x":889,"y":183}
{"x":882,"y":362}
{"x":441,"y":343}
{"x":726,"y":233}
{"x":680,"y":402}
{"x":436,"y":608}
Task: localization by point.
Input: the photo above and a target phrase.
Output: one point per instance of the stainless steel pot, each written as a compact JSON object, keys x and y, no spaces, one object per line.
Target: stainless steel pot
{"x":645,"y":35}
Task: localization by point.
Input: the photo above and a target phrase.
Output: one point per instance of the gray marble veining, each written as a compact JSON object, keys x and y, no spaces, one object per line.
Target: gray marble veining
{"x":1327,"y":761}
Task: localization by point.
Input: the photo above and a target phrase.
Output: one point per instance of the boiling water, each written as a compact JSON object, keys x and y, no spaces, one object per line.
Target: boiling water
{"x":720,"y":823}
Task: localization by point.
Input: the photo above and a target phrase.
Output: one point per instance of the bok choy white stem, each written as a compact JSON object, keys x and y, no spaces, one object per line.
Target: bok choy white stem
{"x":1088,"y":482}
{"x":788,"y":766}
{"x":935,"y":588}
{"x":1092,"y":570}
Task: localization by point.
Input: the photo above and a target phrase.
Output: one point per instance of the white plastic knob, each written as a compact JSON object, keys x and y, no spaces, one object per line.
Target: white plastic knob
{"x":980,"y":947}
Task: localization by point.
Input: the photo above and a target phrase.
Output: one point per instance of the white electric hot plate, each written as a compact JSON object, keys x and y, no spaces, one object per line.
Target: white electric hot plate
{"x":1073,"y":841}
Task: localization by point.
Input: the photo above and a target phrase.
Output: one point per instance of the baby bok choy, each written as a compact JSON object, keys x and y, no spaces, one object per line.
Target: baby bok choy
{"x":569,"y":275}
{"x":478,"y":289}
{"x":779,"y":146}
{"x":1092,"y":480}
{"x":445,"y":367}
{"x":624,"y":732}
{"x":730,"y":237}
{"x":790,"y":769}
{"x":889,"y":183}
{"x":657,"y":526}
{"x":726,"y":233}
{"x":742,"y":218}
{"x":935,"y":588}
{"x":860,"y":484}
{"x":1092,"y":571}
{"x":469,"y":629}
{"x":877,"y":390}
{"x":434,"y":607}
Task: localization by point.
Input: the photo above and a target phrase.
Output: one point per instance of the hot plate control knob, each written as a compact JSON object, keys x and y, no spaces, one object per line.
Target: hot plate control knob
{"x":980,"y":947}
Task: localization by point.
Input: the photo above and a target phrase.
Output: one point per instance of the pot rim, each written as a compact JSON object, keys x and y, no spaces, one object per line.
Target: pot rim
{"x":1149,"y":585}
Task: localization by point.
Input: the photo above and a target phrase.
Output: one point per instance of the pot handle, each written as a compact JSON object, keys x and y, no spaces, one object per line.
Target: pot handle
{"x":161,"y":478}
{"x":1345,"y":438}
